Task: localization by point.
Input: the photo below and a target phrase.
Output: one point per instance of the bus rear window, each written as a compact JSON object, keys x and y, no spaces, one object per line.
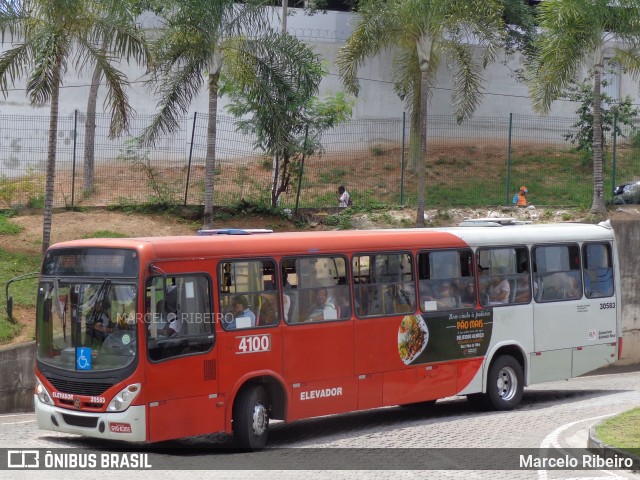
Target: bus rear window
{"x":91,"y":262}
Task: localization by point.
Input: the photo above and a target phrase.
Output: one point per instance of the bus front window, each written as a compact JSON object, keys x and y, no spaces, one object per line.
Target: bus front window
{"x":86,"y":326}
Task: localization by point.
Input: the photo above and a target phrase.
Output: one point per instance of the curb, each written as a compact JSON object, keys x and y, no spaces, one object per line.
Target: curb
{"x":596,"y":445}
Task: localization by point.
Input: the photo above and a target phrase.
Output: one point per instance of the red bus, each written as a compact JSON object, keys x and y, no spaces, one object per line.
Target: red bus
{"x":149,"y":339}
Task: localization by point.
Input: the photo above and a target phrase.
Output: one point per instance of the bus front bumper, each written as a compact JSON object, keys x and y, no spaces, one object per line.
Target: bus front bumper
{"x":128,"y":426}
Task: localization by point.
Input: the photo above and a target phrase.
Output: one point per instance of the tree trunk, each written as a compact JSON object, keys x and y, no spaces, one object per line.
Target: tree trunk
{"x":597,"y":205}
{"x":275,"y":181}
{"x":90,"y":132}
{"x":51,"y":159}
{"x":414,"y":136}
{"x":424,"y":57}
{"x":210,"y":161}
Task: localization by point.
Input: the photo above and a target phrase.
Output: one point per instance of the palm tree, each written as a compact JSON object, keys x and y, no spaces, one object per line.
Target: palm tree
{"x":424,"y":33}
{"x":192,"y":50}
{"x":127,"y":11}
{"x":575,"y":33}
{"x":49,"y":38}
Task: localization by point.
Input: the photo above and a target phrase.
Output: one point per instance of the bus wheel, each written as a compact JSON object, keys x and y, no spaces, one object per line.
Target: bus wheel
{"x":251,"y":418}
{"x":504,"y":383}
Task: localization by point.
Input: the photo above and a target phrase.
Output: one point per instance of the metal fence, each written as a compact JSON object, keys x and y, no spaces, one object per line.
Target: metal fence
{"x":482,"y":161}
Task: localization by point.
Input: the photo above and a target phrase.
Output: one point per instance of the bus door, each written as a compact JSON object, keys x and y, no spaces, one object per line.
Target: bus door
{"x":574,"y":312}
{"x":249,"y":340}
{"x":318,"y":351}
{"x":182,"y":384}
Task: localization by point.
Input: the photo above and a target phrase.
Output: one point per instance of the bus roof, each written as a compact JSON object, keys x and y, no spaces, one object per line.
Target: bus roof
{"x":351,"y":240}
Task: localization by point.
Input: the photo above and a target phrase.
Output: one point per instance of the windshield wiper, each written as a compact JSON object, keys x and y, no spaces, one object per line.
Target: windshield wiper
{"x":98,"y":306}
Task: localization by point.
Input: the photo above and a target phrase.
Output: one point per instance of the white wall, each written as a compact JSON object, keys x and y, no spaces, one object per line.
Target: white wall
{"x":22,"y":139}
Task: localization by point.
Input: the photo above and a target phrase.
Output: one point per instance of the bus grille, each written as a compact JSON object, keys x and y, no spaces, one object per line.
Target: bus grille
{"x":76,"y":421}
{"x":80,"y":388}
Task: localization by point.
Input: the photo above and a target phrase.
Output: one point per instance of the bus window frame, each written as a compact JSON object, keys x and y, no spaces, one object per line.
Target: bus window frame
{"x":583,"y":254}
{"x":540,"y":297}
{"x":297,"y":288}
{"x":473,"y":277}
{"x":212,"y":333}
{"x":275,"y":279}
{"x":412,"y":260}
{"x":510,"y":276}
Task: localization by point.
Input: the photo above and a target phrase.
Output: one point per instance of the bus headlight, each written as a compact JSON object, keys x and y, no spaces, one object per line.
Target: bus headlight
{"x":42,"y":393}
{"x":124,"y":398}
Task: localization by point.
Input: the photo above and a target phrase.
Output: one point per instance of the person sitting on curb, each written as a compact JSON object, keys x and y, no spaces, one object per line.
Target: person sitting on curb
{"x":522,"y":197}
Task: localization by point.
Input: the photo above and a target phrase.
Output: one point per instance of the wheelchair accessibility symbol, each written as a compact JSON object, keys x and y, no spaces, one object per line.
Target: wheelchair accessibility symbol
{"x":83,"y":358}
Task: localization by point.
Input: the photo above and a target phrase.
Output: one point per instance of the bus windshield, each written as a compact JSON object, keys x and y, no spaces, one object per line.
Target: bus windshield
{"x":86,"y":325}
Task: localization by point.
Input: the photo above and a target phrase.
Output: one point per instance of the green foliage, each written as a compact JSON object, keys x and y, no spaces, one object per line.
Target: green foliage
{"x":36,"y":201}
{"x":271,"y":91}
{"x":23,"y":292}
{"x":8,"y":330}
{"x":164,"y":193}
{"x":9,"y":228}
{"x":621,"y":431}
{"x":105,"y":234}
{"x":624,"y":110}
{"x":377,"y":150}
{"x":23,"y":191}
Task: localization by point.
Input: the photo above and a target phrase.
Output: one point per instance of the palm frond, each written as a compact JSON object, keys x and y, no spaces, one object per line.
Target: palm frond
{"x":50,"y":54}
{"x":117,"y":99}
{"x":371,"y":34}
{"x":467,"y":81}
{"x":13,"y":65}
{"x":181,"y":84}
{"x":570,"y":33}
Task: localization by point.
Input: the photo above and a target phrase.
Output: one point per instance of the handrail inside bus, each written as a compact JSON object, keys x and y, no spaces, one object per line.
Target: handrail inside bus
{"x":233,"y":231}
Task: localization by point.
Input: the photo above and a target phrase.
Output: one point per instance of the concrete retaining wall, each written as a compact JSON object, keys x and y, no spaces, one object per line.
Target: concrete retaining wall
{"x":16,"y":362}
{"x":627,"y":235}
{"x":17,"y":380}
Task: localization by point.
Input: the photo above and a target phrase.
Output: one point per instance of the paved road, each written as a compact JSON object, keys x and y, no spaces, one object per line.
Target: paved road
{"x":556,"y":414}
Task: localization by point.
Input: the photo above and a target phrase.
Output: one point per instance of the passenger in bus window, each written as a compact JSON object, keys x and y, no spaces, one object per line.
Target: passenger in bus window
{"x":167,"y":323}
{"x":243,"y":317}
{"x":572,"y":290}
{"x":445,"y":297}
{"x":467,"y":292}
{"x":343,"y":303}
{"x":523,"y":292}
{"x":322,"y":309}
{"x":498,"y":291}
{"x":268,"y":312}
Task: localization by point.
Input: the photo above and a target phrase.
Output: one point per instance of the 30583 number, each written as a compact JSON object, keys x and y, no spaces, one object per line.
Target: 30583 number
{"x":254,"y":343}
{"x":605,"y":306}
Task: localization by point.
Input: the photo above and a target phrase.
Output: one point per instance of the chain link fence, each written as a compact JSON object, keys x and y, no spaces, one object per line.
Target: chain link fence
{"x":481,"y":162}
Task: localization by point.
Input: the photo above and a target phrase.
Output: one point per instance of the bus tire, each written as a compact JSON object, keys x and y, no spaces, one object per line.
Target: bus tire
{"x":505,"y":383}
{"x":251,"y":418}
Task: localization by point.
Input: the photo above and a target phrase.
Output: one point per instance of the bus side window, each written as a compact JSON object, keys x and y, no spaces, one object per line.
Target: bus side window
{"x":315,"y":289}
{"x":180,"y":321}
{"x":557,"y":273}
{"x":248,"y":294}
{"x":446,"y":280}
{"x":384,"y":284}
{"x":598,"y":273}
{"x":504,"y":276}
